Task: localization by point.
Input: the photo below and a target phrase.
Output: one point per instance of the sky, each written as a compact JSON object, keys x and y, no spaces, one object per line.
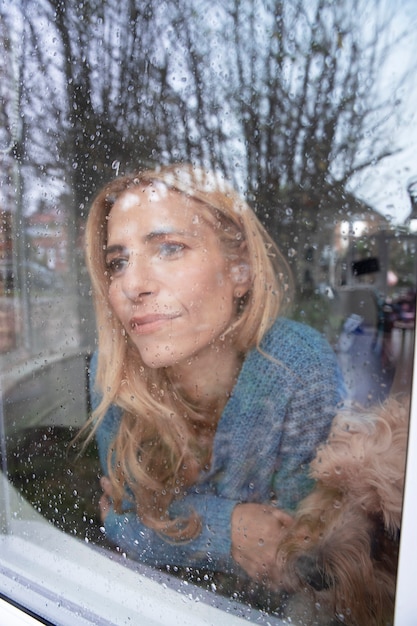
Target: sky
{"x":384,"y":186}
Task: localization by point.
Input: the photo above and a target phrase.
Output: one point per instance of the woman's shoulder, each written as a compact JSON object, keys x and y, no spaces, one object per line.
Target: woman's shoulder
{"x":95,"y":396}
{"x":286,"y":331}
{"x":92,"y":369}
{"x":113,"y":414}
{"x":294,"y":342}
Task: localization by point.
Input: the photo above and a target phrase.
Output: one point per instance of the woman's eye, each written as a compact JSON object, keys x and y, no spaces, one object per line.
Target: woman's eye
{"x":115,"y":266}
{"x":169,"y":249}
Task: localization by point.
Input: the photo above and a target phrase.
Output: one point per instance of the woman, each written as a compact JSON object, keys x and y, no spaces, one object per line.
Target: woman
{"x":208,"y":404}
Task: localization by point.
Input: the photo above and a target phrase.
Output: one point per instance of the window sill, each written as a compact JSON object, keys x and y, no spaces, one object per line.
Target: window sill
{"x":61,"y":579}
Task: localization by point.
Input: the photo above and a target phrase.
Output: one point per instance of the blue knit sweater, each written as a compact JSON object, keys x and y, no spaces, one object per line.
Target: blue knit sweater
{"x":279,"y":410}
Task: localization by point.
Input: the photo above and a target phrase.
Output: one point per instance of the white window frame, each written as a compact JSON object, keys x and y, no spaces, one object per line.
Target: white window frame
{"x":406,"y":596}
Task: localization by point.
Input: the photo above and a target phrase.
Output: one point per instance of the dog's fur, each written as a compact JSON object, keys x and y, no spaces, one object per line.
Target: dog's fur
{"x":343,"y":546}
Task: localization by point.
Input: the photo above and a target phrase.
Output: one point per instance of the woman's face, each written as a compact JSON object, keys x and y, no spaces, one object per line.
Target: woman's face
{"x":171,"y":286}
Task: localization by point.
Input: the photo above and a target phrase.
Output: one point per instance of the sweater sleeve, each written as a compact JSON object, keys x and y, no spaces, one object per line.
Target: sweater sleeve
{"x":210,"y":549}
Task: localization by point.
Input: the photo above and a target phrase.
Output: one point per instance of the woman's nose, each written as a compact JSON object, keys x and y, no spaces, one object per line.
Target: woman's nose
{"x":138,"y":281}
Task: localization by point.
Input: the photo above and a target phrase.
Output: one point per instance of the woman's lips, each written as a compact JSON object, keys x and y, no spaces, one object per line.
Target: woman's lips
{"x":147,"y":324}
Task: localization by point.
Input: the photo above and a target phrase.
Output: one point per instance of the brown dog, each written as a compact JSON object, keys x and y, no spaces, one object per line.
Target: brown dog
{"x":343,"y":547}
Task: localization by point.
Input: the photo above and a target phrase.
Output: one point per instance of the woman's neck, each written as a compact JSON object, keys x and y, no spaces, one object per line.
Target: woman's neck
{"x":208,"y":380}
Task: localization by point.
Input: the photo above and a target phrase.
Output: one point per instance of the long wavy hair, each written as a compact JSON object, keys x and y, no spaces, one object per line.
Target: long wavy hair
{"x":163,"y":440}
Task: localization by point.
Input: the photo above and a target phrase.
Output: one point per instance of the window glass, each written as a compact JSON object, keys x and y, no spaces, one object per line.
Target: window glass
{"x":308,"y":109}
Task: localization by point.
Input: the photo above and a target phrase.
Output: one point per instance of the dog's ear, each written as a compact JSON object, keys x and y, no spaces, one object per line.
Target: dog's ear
{"x":310,"y":570}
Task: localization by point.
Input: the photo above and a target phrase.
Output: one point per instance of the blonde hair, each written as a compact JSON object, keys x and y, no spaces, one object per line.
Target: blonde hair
{"x":163,"y":441}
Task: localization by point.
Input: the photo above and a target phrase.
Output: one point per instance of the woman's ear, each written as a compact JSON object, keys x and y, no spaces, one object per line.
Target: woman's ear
{"x":240,"y":275}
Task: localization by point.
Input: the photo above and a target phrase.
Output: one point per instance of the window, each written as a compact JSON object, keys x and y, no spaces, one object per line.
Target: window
{"x":308,"y":108}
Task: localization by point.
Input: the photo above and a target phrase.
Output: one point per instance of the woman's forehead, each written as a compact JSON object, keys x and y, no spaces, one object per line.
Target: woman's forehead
{"x":142,"y":194}
{"x":159,"y":198}
{"x":157,"y":209}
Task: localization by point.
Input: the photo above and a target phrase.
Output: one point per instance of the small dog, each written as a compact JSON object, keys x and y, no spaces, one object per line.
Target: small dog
{"x":343,"y":547}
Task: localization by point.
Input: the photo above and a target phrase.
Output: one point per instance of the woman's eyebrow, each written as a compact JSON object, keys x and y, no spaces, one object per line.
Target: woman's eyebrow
{"x":152,"y":236}
{"x":116,"y":248}
{"x":163,"y":232}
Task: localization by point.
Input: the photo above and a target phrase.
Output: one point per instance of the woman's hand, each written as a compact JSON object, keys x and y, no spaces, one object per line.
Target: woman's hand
{"x":105,"y":500}
{"x":257,"y":529}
